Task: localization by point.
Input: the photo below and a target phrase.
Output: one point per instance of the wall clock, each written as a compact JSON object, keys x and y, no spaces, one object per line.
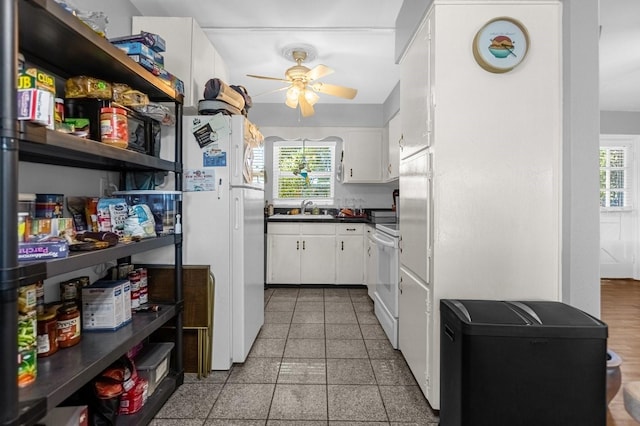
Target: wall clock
{"x":501,"y":44}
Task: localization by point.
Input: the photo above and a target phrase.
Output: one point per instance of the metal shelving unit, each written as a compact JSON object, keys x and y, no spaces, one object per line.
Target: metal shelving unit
{"x":55,"y":40}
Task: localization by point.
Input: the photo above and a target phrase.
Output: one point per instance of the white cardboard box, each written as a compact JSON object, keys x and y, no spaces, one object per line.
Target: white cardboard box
{"x":103,"y":305}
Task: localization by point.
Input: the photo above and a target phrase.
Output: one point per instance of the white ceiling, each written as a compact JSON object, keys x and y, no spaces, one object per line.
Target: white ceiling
{"x":356,"y":39}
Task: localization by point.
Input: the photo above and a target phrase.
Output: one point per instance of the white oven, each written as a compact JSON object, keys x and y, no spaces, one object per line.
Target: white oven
{"x":387,"y":238}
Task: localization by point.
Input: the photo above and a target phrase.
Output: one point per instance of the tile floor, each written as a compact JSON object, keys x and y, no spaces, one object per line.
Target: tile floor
{"x":321,"y":358}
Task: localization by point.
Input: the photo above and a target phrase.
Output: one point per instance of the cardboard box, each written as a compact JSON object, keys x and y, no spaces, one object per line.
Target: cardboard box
{"x":103,"y":306}
{"x":57,"y":227}
{"x":147,"y":63}
{"x":43,"y":250}
{"x":136,"y":48}
{"x":126,"y":302}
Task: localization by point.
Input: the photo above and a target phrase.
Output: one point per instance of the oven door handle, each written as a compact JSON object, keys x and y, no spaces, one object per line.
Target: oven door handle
{"x":383,"y":241}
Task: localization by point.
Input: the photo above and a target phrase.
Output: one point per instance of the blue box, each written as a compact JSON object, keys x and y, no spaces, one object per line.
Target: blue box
{"x":147,"y":63}
{"x":43,"y":250}
{"x":135,"y":48}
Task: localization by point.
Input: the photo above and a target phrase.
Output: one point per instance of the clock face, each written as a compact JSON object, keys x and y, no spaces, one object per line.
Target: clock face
{"x":500,"y":45}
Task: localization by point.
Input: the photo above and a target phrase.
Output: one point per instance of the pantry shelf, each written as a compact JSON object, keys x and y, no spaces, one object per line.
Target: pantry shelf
{"x":64,"y":45}
{"x":41,"y":145}
{"x":155,"y":402}
{"x":66,"y":371}
{"x":80,"y":260}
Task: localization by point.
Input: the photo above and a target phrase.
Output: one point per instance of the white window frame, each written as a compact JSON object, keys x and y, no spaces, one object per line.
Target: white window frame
{"x":612,"y":142}
{"x":327,"y":201}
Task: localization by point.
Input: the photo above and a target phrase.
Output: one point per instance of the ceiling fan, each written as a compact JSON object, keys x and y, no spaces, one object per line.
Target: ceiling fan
{"x":303,"y":82}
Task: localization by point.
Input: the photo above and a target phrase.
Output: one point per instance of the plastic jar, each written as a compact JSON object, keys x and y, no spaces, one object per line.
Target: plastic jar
{"x":113,"y":127}
{"x":68,"y":325}
{"x":47,"y":334}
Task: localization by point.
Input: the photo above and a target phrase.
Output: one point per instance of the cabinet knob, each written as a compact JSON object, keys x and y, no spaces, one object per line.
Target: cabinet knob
{"x":297,"y":245}
{"x":342,"y":245}
{"x":304,"y":245}
{"x":350,"y":172}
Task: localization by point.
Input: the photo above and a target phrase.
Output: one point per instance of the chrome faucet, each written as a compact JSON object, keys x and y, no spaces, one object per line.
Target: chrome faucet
{"x":304,"y":205}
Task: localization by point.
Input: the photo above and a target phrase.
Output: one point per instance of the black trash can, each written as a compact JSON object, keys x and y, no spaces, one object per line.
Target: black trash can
{"x":529,"y":363}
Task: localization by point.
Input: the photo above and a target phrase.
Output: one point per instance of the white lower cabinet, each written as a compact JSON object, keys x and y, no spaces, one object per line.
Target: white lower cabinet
{"x":300,"y":253}
{"x":350,"y":253}
{"x":317,"y":265}
{"x":315,"y":253}
{"x":414,"y":324}
{"x":284,"y":259}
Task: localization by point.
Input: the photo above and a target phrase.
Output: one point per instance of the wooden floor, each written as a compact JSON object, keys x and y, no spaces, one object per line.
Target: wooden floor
{"x":620,"y":309}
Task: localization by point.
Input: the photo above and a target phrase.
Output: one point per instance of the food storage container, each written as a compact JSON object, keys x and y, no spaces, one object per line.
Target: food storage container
{"x":163,"y":205}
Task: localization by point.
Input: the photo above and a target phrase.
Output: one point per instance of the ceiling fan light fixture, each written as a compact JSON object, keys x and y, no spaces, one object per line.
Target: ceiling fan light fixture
{"x":291,"y":102}
{"x":311,"y":97}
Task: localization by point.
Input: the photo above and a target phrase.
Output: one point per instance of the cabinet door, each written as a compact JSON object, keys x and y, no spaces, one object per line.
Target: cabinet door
{"x":317,"y":264}
{"x":414,"y":327}
{"x":415,"y":214}
{"x":283,"y":265}
{"x":362,"y":162}
{"x":414,"y":92}
{"x":393,"y":148}
{"x":349,"y":259}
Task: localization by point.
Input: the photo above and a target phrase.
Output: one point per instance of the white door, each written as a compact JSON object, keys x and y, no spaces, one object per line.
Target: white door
{"x":414,"y":327}
{"x":388,"y":271}
{"x":247,"y":276}
{"x":415,"y":217}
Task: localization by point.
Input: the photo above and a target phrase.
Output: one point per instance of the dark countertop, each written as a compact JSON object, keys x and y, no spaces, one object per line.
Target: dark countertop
{"x":337,"y":219}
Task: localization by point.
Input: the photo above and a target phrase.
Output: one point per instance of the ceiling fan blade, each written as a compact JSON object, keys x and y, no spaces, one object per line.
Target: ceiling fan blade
{"x":318,"y":71}
{"x":268,"y":78}
{"x":333,"y":90}
{"x":305,"y":107}
{"x":271,"y":91}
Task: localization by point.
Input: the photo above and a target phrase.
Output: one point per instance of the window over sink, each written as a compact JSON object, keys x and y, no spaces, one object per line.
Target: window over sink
{"x":303,"y":170}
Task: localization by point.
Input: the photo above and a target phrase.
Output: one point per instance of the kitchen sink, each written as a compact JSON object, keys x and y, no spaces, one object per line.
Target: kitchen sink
{"x":301,"y":216}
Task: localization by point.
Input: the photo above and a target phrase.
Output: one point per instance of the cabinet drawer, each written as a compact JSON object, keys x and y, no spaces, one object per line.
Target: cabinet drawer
{"x":283,"y":228}
{"x":318,"y":229}
{"x":350,"y":229}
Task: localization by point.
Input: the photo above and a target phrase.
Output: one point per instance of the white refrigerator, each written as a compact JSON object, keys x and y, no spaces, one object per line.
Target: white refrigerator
{"x":223,"y":226}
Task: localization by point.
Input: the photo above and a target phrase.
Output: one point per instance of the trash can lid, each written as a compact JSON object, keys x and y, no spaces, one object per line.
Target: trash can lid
{"x":523,"y":319}
{"x":487,"y":312}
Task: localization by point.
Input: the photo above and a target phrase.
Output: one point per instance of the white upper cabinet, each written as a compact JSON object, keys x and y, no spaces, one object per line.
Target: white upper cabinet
{"x":190,"y":56}
{"x":362,"y":161}
{"x":392,"y":153}
{"x":415,"y":93}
